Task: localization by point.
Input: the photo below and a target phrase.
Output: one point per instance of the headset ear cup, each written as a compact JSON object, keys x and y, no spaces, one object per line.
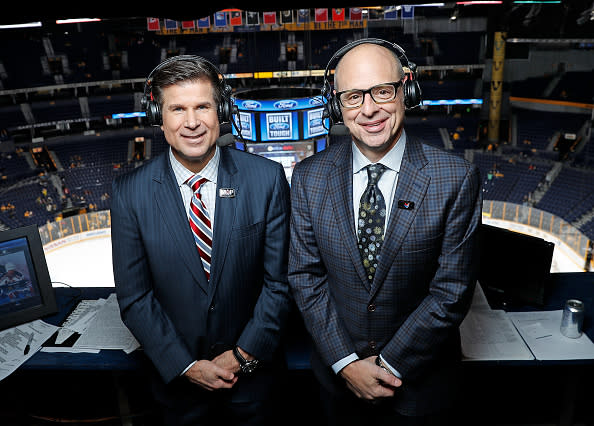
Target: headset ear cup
{"x":412,"y":93}
{"x":336,"y":114}
{"x":153,"y":113}
{"x":225,"y":110}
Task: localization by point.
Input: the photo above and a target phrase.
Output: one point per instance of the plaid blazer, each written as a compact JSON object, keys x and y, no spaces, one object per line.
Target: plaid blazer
{"x":424,"y":281}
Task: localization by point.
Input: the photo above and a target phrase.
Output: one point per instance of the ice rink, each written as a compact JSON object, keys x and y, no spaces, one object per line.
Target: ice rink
{"x":84,"y":260}
{"x":81,"y":262}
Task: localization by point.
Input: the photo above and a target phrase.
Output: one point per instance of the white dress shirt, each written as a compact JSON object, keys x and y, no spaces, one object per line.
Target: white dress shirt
{"x":387,"y":185}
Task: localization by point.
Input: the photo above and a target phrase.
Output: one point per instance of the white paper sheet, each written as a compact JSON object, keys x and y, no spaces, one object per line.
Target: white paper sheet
{"x":14,"y":340}
{"x":541,"y":331}
{"x":107,"y":330}
{"x":488,"y":334}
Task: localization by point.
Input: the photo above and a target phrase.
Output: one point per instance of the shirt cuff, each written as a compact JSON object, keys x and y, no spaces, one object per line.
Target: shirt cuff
{"x":340,"y":364}
{"x":392,"y":369}
{"x":187,"y":368}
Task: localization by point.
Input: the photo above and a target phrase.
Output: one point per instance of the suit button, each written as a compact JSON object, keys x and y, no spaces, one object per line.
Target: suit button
{"x":372,"y":344}
{"x":211,"y":308}
{"x":371,"y":307}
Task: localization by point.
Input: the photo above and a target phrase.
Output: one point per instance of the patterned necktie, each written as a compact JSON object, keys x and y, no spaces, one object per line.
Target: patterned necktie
{"x":200,"y":222}
{"x":371,"y":222}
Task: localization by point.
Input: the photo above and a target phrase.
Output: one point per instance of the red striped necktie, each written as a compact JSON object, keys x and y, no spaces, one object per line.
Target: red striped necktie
{"x":200,"y":222}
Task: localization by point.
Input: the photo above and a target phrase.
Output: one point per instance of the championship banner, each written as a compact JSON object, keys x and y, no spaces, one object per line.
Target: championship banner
{"x":188,"y":25}
{"x":355,"y":14}
{"x":170,"y":24}
{"x":303,"y":16}
{"x":252,"y":18}
{"x":204,"y":22}
{"x":321,"y":15}
{"x":153,"y":24}
{"x":390,"y":13}
{"x":286,"y":17}
{"x":269,"y":18}
{"x":496,"y":93}
{"x":220,"y":19}
{"x":338,"y":14}
{"x":408,"y":11}
{"x":235,"y":18}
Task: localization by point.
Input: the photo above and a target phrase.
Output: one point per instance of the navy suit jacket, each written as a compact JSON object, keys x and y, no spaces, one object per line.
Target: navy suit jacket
{"x":424,"y":281}
{"x":164,"y":297}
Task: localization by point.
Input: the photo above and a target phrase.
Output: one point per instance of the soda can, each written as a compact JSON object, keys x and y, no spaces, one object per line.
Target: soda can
{"x":573,"y":318}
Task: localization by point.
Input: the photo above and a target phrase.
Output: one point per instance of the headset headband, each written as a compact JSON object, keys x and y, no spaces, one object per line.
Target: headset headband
{"x":392,"y":46}
{"x":153,"y":110}
{"x":412,"y":91}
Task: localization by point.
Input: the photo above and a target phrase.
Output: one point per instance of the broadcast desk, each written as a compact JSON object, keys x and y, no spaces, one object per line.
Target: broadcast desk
{"x":496,"y":392}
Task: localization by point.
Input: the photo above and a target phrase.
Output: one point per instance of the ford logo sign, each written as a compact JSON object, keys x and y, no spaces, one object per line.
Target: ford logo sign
{"x":251,"y":104}
{"x":286,"y":104}
{"x":316,"y":122}
{"x":317,"y":100}
{"x":279,"y":126}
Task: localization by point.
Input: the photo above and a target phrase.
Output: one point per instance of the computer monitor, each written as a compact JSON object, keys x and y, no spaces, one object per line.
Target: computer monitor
{"x":26,"y":291}
{"x":288,"y":154}
{"x":514,"y":267}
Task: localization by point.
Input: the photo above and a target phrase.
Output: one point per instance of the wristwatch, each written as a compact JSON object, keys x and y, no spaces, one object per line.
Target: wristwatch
{"x":246,"y":366}
{"x":380,"y":363}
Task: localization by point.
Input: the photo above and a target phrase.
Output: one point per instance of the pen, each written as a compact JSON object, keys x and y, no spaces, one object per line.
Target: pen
{"x":28,"y":346}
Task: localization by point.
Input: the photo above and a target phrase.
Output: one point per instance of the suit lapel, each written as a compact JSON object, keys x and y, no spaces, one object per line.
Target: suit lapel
{"x":342,"y":202}
{"x":412,"y":186}
{"x":169,"y":202}
{"x":224,"y":216}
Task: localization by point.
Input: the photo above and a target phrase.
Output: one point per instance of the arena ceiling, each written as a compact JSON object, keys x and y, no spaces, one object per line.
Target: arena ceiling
{"x":563,"y":19}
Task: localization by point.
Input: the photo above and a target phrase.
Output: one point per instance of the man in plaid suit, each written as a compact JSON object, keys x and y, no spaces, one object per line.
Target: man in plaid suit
{"x":386,"y":340}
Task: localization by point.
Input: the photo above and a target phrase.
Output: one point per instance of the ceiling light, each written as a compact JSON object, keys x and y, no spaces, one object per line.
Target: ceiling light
{"x":26,"y":25}
{"x":77,"y":20}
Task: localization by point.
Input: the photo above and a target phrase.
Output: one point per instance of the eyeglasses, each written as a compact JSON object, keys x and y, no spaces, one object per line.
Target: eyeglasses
{"x":381,"y":94}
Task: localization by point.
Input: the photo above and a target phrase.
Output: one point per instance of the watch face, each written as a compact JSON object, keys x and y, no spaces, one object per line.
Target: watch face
{"x":249,"y":366}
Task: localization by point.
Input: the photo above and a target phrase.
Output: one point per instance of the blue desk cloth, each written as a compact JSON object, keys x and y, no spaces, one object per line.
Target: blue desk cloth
{"x":561,"y":286}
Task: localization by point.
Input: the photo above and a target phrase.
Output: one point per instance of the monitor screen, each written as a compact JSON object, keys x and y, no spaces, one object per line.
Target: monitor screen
{"x":286,"y":153}
{"x":26,"y":291}
{"x":514,"y":267}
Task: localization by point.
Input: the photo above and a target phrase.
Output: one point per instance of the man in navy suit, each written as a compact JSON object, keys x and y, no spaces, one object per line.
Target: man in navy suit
{"x":383,"y":281}
{"x":212,"y":329}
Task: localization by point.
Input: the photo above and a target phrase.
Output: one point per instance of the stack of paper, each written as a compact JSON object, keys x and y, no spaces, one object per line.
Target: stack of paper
{"x":488,"y":334}
{"x":107,"y":330}
{"x":94,"y":325}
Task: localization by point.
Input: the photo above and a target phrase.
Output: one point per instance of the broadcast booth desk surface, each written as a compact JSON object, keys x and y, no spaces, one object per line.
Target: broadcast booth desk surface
{"x":524,"y":391}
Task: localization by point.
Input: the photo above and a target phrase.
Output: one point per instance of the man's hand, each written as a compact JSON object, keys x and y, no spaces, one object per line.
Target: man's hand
{"x":227,"y":361}
{"x":368,"y":381}
{"x":210,"y":376}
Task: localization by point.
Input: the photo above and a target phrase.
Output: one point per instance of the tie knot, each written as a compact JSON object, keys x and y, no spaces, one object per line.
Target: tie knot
{"x":195,"y":182}
{"x":374,"y":173}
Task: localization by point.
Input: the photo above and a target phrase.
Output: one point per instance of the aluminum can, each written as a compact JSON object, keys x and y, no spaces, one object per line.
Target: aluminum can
{"x":573,"y":318}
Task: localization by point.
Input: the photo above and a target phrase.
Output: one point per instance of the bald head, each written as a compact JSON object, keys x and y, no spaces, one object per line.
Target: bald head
{"x":364,"y":58}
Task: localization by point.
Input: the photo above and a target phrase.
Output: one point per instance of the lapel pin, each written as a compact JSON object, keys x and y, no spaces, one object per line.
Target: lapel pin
{"x":406,"y":205}
{"x":227,"y":193}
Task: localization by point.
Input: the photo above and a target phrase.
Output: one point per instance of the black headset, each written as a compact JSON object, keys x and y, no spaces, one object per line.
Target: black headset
{"x":225,"y":109}
{"x":410,"y":87}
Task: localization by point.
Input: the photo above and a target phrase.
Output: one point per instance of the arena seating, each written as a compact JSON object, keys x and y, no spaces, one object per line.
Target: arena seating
{"x":88,"y":163}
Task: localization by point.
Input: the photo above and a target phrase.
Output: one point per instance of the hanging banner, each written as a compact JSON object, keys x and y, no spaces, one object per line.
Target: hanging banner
{"x":153,"y":24}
